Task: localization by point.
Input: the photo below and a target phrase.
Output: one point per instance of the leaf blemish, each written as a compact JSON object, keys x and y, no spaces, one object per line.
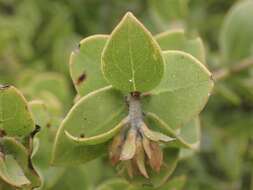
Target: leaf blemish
{"x":4,"y":86}
{"x":48,"y":125}
{"x":81,"y":79}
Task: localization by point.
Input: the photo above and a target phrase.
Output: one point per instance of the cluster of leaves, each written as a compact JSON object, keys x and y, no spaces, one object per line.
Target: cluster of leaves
{"x":36,"y":38}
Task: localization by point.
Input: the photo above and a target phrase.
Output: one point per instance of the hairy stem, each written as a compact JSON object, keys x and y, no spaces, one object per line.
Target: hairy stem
{"x":224,"y":73}
{"x":135,"y":112}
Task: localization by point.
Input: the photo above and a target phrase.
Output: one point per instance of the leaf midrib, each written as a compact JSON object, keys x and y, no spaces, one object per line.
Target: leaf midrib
{"x":131,"y":56}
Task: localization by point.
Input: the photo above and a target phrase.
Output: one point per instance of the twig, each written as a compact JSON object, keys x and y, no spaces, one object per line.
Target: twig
{"x":224,"y":73}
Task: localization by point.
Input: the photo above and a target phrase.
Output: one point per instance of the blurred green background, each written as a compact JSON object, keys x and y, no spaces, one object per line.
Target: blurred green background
{"x":37,"y":37}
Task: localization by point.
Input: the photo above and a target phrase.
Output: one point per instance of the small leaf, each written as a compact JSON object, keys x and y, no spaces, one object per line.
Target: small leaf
{"x":236,"y":37}
{"x":85,"y":65}
{"x":40,"y":112}
{"x":132,"y":60}
{"x":177,"y":40}
{"x":183,"y":91}
{"x":15,"y":117}
{"x":93,"y":115}
{"x":21,"y":155}
{"x":11,"y":172}
{"x":54,"y":83}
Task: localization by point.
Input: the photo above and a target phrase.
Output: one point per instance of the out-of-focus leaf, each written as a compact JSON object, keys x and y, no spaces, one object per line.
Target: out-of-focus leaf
{"x":60,"y":52}
{"x":236,"y":37}
{"x":177,"y":40}
{"x":169,"y":9}
{"x":175,"y":183}
{"x":114,"y":184}
{"x":51,"y":82}
{"x":228,"y":93}
{"x":15,"y":117}
{"x":11,"y":173}
{"x":20,"y":153}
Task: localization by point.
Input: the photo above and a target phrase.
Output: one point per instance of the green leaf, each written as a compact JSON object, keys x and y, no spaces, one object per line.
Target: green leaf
{"x":190,"y":135}
{"x":114,"y":184}
{"x":40,"y":113}
{"x":85,"y":65}
{"x":176,"y":183}
{"x":183,"y":92}
{"x":21,"y":155}
{"x":60,"y":52}
{"x":132,"y":60}
{"x":169,"y":10}
{"x":187,"y":137}
{"x":15,"y":117}
{"x":54,"y":83}
{"x":43,"y":140}
{"x":11,"y":172}
{"x":236,"y":37}
{"x":228,"y":94}
{"x":93,"y":119}
{"x":177,"y":40}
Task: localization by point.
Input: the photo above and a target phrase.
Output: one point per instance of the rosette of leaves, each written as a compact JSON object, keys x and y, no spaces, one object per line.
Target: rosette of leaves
{"x":17,"y":126}
{"x":135,"y":100}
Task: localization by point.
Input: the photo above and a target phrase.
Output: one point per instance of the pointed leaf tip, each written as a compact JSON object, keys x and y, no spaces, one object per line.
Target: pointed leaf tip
{"x":132,"y":60}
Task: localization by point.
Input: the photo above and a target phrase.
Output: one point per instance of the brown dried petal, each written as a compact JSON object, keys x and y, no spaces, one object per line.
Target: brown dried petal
{"x":129,"y":146}
{"x":140,"y":158}
{"x":156,"y":159}
{"x":129,"y":168}
{"x":146,"y":146}
{"x":115,"y":149}
{"x":153,"y":135}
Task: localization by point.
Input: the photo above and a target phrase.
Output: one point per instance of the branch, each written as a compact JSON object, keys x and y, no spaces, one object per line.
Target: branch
{"x":224,"y":73}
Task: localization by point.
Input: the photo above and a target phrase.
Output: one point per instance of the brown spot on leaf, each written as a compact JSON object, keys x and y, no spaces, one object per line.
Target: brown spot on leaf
{"x":82,"y":135}
{"x":4,"y":86}
{"x":115,"y":149}
{"x":81,"y":79}
{"x":36,"y":130}
{"x":48,"y":125}
{"x":2,"y":132}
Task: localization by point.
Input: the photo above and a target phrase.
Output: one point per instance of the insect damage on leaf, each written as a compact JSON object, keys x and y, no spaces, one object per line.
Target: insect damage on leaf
{"x":81,"y":79}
